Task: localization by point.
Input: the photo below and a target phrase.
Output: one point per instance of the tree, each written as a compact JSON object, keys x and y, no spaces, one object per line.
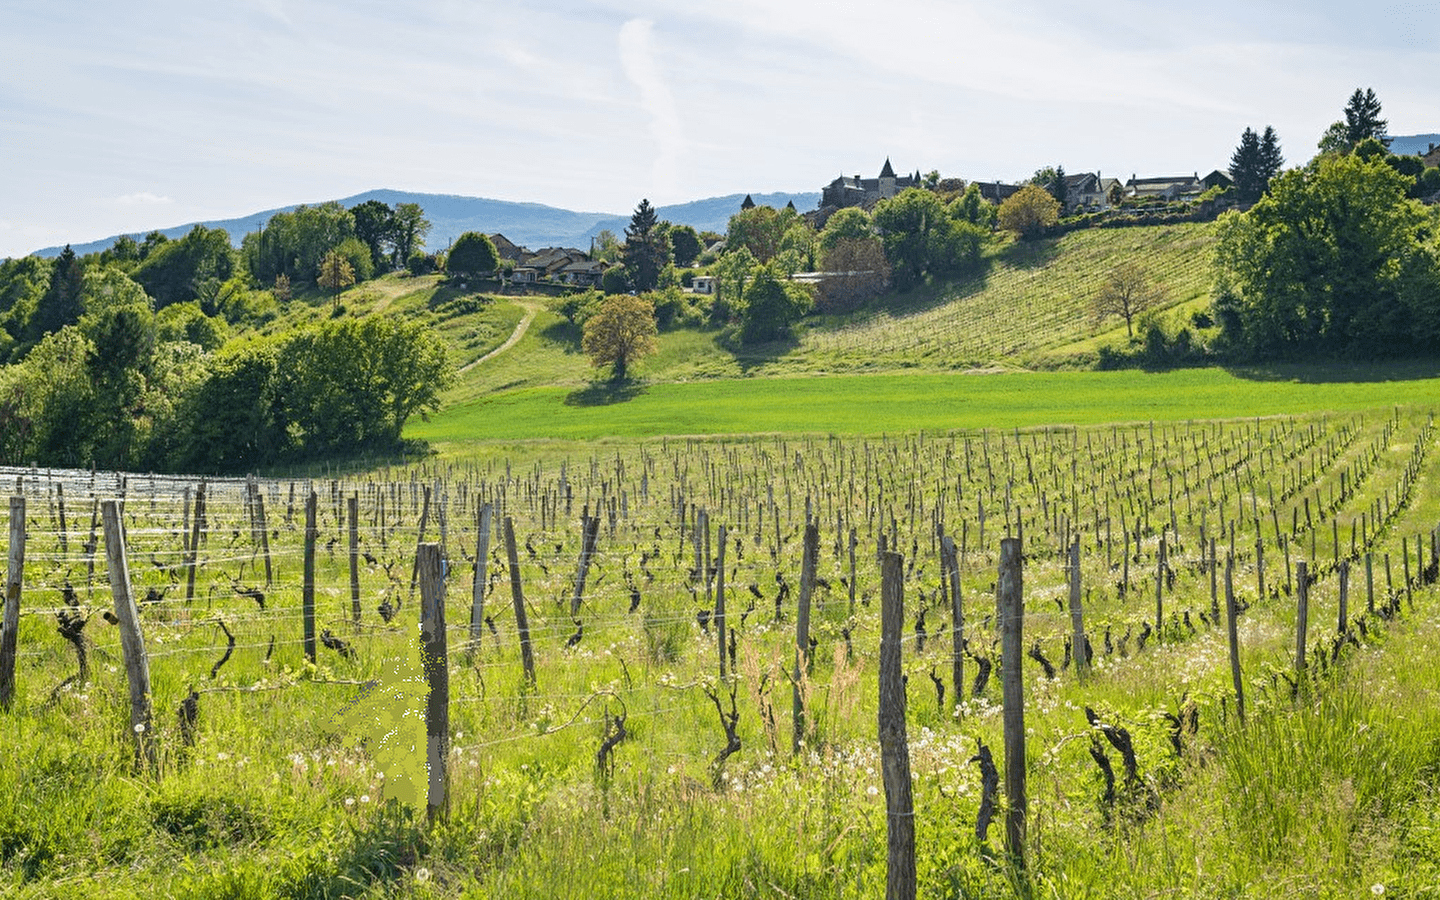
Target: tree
{"x":61,"y":303}
{"x":472,"y":254}
{"x":1029,"y":211}
{"x":850,"y":223}
{"x":856,"y":271}
{"x":1334,"y":260}
{"x":685,"y":244}
{"x":771,"y":306}
{"x":335,"y":274}
{"x":1333,"y":142}
{"x":1245,"y":167}
{"x":605,"y":246}
{"x":361,"y":262}
{"x":620,"y":333}
{"x":1271,"y":160}
{"x":1362,"y":117}
{"x":758,"y":229}
{"x":408,"y":231}
{"x":646,"y":249}
{"x":1128,"y":291}
{"x":374,"y":226}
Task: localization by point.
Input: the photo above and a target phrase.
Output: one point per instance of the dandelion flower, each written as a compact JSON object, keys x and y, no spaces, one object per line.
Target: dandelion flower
{"x":422,"y":874}
{"x":139,"y":727}
{"x":1377,"y":889}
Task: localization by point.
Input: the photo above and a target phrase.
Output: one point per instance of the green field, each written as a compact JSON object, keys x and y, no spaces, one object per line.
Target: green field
{"x":896,"y":403}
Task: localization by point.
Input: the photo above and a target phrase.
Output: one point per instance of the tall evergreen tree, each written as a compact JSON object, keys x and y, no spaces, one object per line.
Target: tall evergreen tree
{"x":1271,"y":160}
{"x":646,"y":248}
{"x":61,"y":303}
{"x":1246,"y":167}
{"x":1362,"y":117}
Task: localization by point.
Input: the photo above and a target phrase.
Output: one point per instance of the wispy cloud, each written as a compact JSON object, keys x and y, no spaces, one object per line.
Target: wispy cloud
{"x":639,"y":61}
{"x":143,"y":198}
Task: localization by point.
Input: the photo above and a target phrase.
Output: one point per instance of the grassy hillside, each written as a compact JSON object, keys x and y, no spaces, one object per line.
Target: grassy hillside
{"x":1029,"y":308}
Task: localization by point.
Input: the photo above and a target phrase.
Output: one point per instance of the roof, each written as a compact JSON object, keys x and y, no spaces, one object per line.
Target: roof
{"x":886,"y":171}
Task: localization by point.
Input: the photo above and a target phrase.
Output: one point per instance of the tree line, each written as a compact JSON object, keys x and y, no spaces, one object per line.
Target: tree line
{"x":150,"y":355}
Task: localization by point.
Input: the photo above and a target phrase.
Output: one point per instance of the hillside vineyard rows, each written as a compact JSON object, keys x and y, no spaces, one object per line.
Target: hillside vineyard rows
{"x":630,"y":631}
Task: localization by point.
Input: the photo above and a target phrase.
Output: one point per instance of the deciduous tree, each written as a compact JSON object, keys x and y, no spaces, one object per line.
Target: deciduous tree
{"x":471,"y":255}
{"x":685,"y":245}
{"x":856,"y":271}
{"x":335,"y":274}
{"x":1127,"y":292}
{"x":409,"y":229}
{"x":1029,"y":211}
{"x":1334,"y":260}
{"x":620,"y":333}
{"x":771,"y":306}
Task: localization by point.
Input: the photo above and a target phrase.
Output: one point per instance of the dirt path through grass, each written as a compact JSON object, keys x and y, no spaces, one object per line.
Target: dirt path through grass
{"x":531,"y":307}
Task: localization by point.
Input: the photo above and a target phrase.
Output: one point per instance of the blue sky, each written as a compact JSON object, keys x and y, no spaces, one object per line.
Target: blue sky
{"x":127,"y":117}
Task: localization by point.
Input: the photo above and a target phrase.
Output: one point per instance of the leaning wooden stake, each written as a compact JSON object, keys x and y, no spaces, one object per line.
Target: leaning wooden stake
{"x":307,"y":596}
{"x":894,"y":749}
{"x":10,"y":625}
{"x":1302,"y":614}
{"x":802,"y":631}
{"x":437,"y":678}
{"x":1231,"y":614}
{"x":132,"y":641}
{"x":589,"y":531}
{"x":957,"y":612}
{"x":522,"y":621}
{"x":1009,"y":589}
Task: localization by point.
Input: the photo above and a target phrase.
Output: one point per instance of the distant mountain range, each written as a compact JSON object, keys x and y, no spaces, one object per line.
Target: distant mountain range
{"x":532,"y":225}
{"x":1409,"y":145}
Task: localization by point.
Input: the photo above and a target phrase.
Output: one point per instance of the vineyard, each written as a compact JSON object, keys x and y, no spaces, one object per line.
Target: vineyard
{"x":1032,"y":301}
{"x":661,"y":665}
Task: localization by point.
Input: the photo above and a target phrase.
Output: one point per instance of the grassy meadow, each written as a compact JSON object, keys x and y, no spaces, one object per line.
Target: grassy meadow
{"x":307,"y":780}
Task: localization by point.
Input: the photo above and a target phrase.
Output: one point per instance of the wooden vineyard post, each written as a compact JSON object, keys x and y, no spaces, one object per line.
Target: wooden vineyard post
{"x":1370,"y":583}
{"x":1259,"y":569}
{"x":853,"y":541}
{"x":352,"y":514}
{"x":522,"y":621}
{"x":1160,"y":588}
{"x":720,"y":601}
{"x":197,"y":524}
{"x":589,"y":531}
{"x":437,"y":679}
{"x":957,"y":614}
{"x":1232,"y":630}
{"x":1302,"y":614}
{"x":482,"y":557}
{"x":1009,"y":589}
{"x":1342,"y":627}
{"x":264,"y":536}
{"x":802,"y":631}
{"x":894,"y":748}
{"x":132,"y":641}
{"x":10,"y":624}
{"x":307,"y":598}
{"x":1077,"y":616}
